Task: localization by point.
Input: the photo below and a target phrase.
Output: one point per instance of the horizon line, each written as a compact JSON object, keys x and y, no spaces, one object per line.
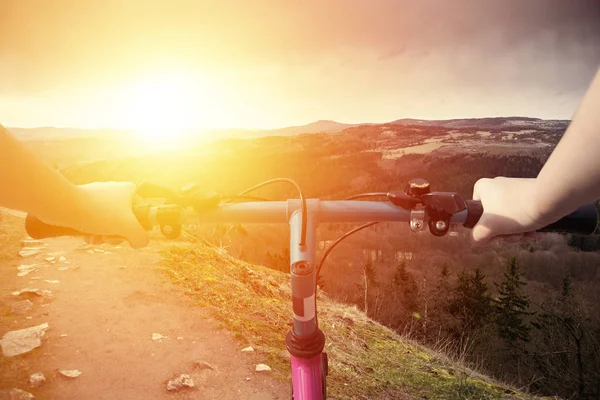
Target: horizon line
{"x":281,"y":127}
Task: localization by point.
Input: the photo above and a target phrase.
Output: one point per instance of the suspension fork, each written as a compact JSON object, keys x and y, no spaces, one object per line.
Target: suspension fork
{"x":305,"y":341}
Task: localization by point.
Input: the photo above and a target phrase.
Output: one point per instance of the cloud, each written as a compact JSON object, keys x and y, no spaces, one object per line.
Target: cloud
{"x":386,"y":47}
{"x":64,"y":32}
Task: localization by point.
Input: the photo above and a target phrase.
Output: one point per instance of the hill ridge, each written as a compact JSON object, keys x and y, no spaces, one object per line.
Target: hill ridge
{"x":319,"y":126}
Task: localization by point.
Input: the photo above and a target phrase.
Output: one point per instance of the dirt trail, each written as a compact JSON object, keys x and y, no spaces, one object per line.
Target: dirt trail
{"x":109,"y":304}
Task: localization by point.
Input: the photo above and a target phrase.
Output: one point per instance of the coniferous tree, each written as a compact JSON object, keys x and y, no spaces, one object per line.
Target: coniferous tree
{"x":406,"y":285}
{"x":511,"y":306}
{"x":370,"y":273}
{"x":480,"y":306}
{"x":401,"y":276}
{"x":441,"y":296}
{"x":568,"y":354}
{"x":459,"y":305}
{"x":442,"y":290}
{"x":443,"y":284}
{"x":471,"y":301}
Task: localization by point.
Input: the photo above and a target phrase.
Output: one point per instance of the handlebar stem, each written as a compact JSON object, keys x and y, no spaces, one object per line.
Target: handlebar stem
{"x":303,"y":269}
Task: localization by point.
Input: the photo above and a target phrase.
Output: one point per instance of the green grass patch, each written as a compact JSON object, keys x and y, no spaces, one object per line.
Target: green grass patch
{"x":366,"y":359}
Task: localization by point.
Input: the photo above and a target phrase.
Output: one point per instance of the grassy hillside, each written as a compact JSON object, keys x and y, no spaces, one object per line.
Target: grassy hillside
{"x":367,"y":360}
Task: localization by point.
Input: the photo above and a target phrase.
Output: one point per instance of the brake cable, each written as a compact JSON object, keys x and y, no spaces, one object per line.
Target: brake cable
{"x":338,"y":241}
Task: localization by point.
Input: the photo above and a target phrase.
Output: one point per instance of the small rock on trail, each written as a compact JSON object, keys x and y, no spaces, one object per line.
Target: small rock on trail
{"x":21,"y":307}
{"x":184,"y":380}
{"x":32,"y":242}
{"x":23,"y":340}
{"x":30,"y":251}
{"x":37,"y":380}
{"x":204,"y":365}
{"x":262,"y":368}
{"x":30,"y":291}
{"x":15,"y":394}
{"x":70,"y":373}
{"x":248,"y":349}
{"x":25,"y":270}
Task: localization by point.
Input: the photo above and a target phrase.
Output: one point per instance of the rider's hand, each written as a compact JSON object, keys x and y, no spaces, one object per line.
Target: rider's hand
{"x":108,"y":214}
{"x":509,"y":209}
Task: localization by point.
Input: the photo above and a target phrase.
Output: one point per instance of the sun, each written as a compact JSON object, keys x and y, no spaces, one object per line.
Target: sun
{"x":166,"y":110}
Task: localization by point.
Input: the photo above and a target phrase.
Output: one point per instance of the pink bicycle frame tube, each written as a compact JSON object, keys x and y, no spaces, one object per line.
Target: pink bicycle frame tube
{"x":307,"y":380}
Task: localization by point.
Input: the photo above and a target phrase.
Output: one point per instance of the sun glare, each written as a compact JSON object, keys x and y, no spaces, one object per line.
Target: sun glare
{"x":166,"y":110}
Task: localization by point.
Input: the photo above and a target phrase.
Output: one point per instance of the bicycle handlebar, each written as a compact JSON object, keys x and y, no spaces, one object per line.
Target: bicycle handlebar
{"x":583,"y":221}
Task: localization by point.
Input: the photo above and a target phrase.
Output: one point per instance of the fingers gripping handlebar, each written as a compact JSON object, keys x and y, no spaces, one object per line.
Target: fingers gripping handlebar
{"x":441,"y":207}
{"x":416,"y":205}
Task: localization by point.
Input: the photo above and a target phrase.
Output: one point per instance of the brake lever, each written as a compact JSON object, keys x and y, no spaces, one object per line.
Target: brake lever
{"x":439,"y":207}
{"x":148,"y":190}
{"x":191,"y":196}
{"x":200,"y":201}
{"x":169,"y":215}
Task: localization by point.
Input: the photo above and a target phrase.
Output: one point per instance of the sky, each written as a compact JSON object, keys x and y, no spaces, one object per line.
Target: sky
{"x":268,"y":64}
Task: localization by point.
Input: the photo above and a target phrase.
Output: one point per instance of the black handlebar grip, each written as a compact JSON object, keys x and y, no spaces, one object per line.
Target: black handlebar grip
{"x":583,"y":221}
{"x":38,"y":229}
{"x":41,"y":230}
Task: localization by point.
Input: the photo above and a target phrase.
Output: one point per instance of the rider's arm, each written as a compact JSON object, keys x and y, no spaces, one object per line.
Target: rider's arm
{"x":28,"y":184}
{"x":569,"y":179}
{"x":571,"y":176}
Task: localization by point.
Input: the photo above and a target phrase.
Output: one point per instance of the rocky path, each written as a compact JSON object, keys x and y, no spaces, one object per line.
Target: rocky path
{"x":115,"y":318}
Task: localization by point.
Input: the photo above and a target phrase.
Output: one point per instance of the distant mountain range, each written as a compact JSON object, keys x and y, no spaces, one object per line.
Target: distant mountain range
{"x":323,"y":126}
{"x":52,"y":133}
{"x":487,"y":123}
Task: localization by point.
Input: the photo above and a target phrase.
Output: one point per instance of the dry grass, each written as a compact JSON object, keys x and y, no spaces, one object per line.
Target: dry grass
{"x":12,"y":231}
{"x":367,"y":360}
